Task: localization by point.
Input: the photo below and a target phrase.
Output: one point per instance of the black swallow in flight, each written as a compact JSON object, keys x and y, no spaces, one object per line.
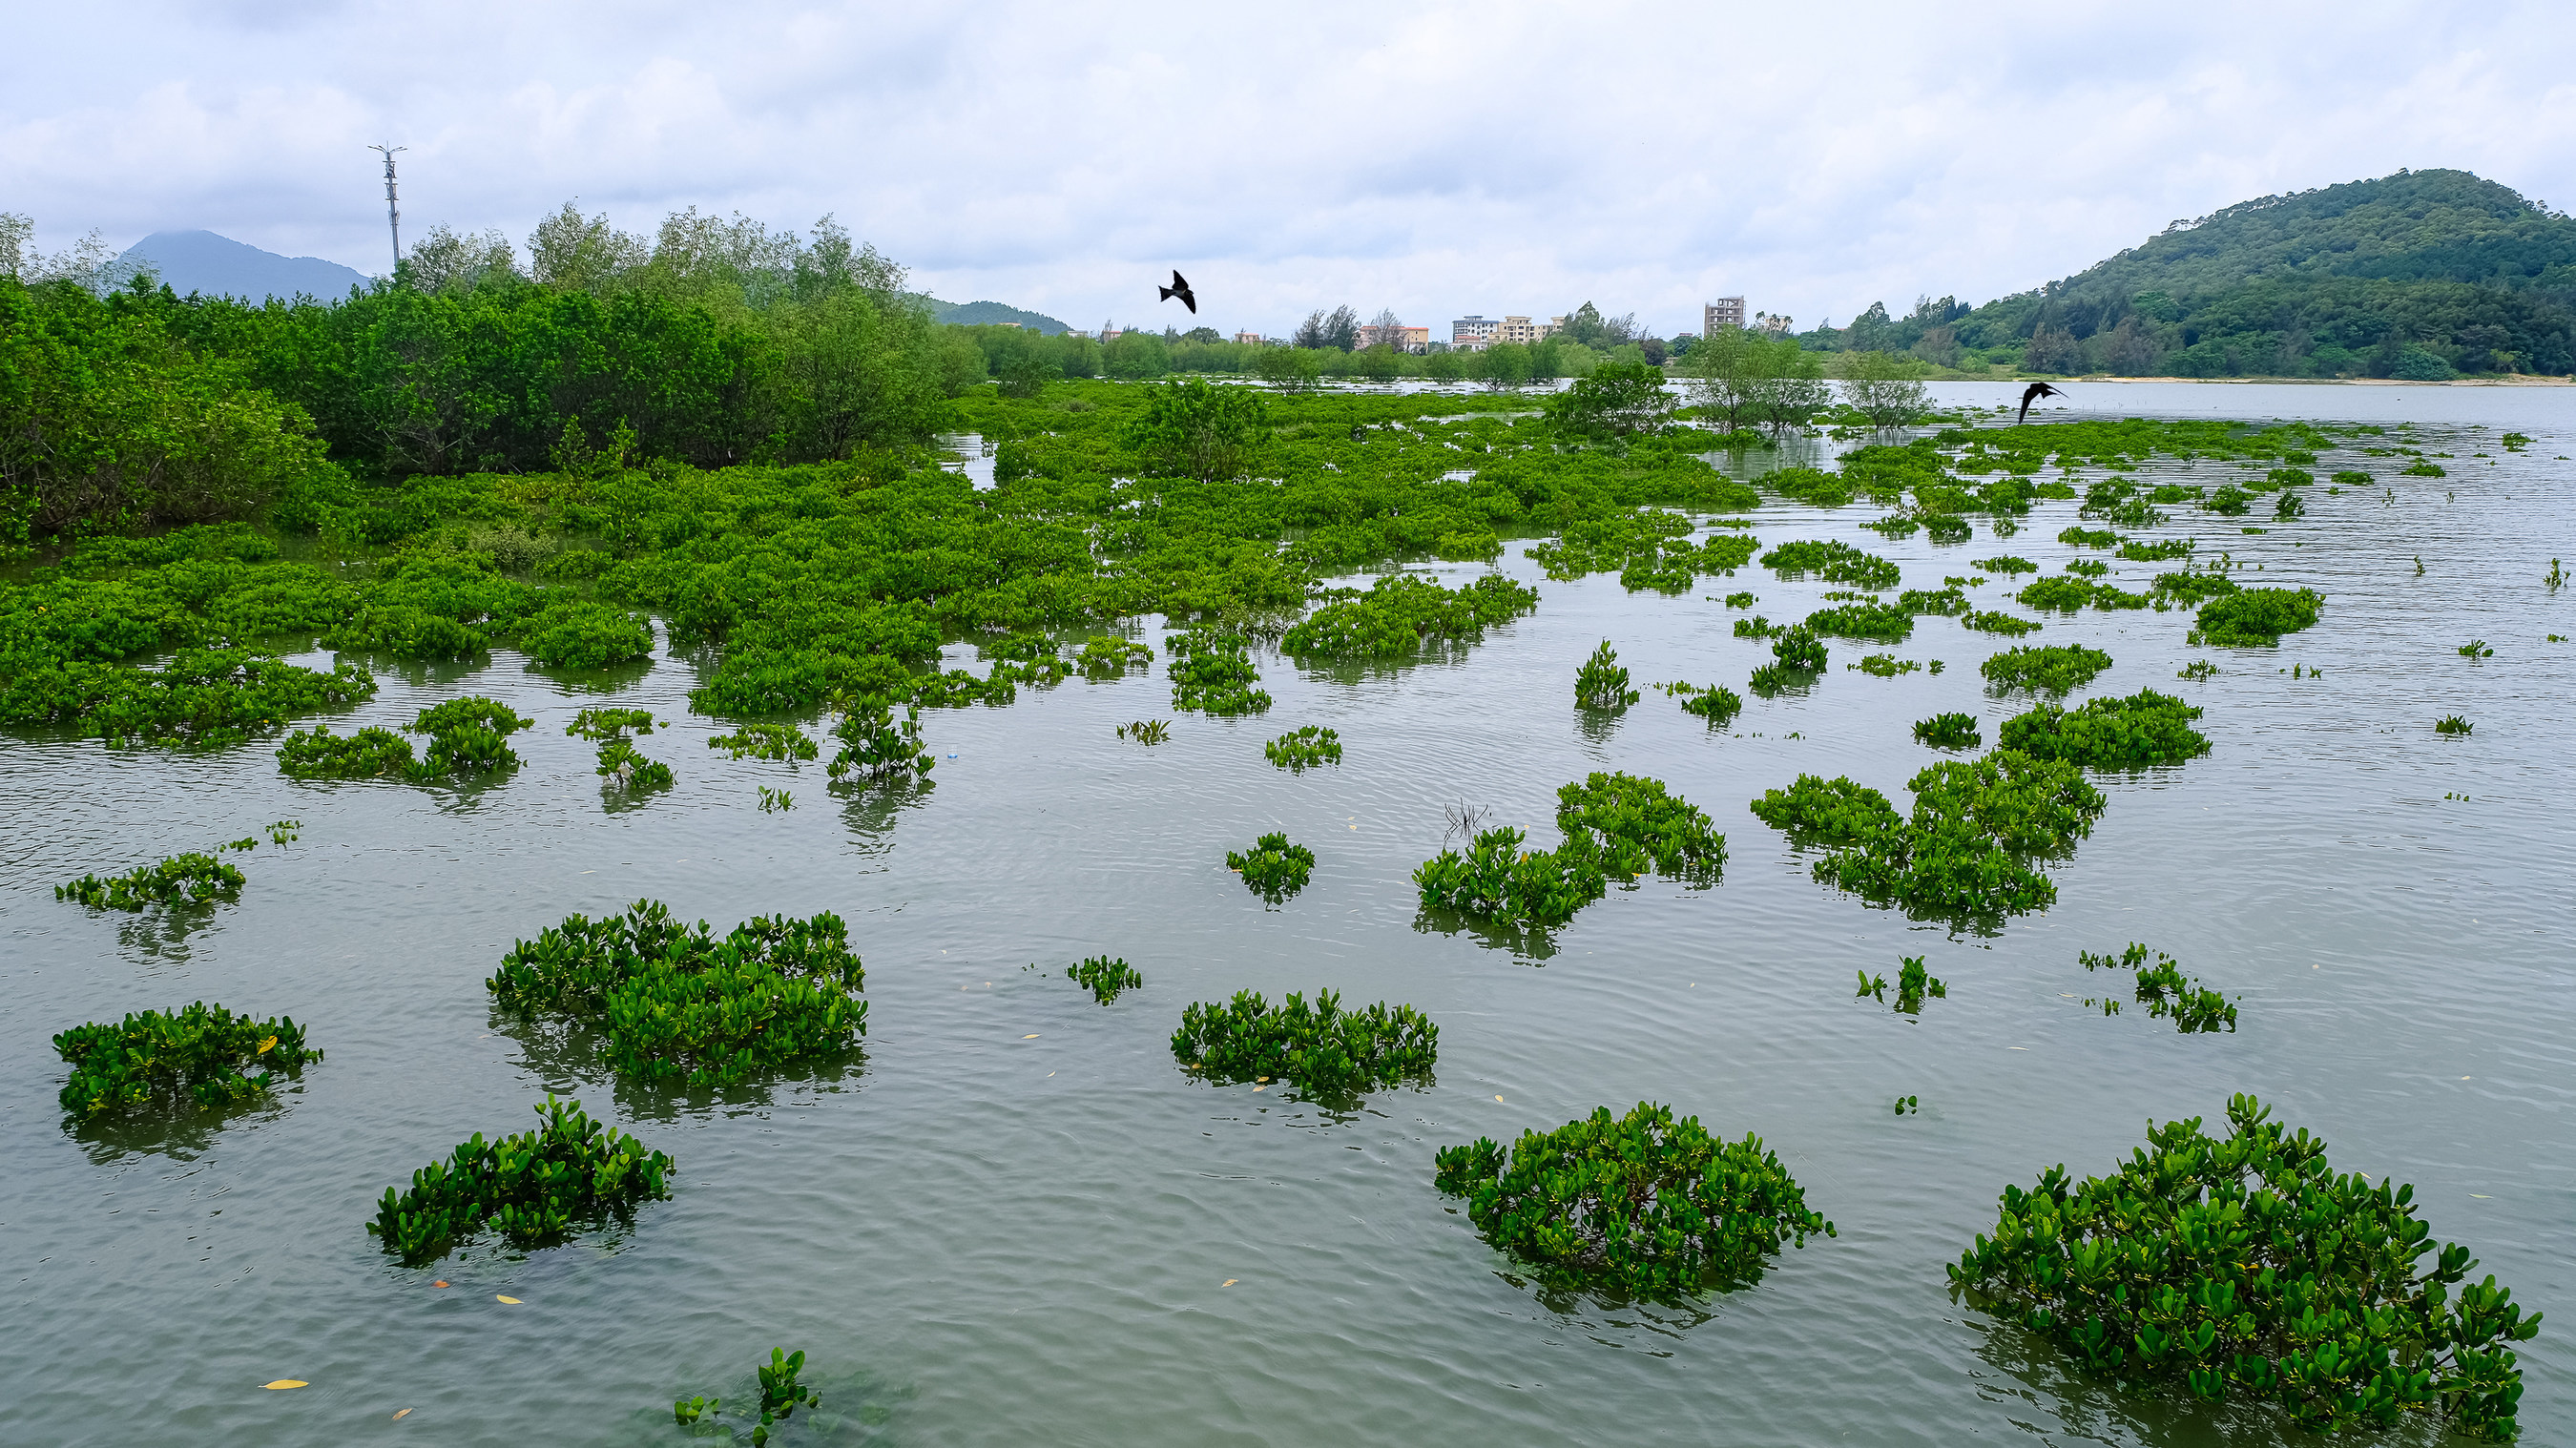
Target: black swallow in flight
{"x":2029,"y":395}
{"x":1180,"y":288}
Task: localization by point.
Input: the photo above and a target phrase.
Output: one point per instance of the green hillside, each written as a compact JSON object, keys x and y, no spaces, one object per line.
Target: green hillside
{"x":985,"y":314}
{"x":2423,"y":274}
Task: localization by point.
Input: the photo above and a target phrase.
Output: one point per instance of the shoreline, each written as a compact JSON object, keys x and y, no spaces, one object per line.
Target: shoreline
{"x":2511,"y":381}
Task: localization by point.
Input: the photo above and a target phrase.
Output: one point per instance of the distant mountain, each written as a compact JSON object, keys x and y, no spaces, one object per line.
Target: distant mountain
{"x":201,"y":261}
{"x":985,"y":314}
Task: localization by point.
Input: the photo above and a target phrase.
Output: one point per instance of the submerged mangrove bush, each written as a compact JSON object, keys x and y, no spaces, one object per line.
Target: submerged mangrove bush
{"x":1914,"y":983}
{"x":189,"y":879}
{"x":1632,"y":821}
{"x":1498,"y":882}
{"x":1881,"y":622}
{"x":152,"y":1060}
{"x":766,"y":741}
{"x":533,"y":1188}
{"x":1305,"y":748}
{"x":2255,"y":617}
{"x":1601,"y":684}
{"x":317,"y":753}
{"x":2138,"y":732}
{"x":619,"y":763}
{"x":2054,"y":668}
{"x":1273,"y":868}
{"x":2165,"y":991}
{"x":1104,"y":977}
{"x":1715,"y":703}
{"x":1641,"y":1205}
{"x":1967,"y":848}
{"x":1834,"y":563}
{"x":1989,"y":621}
{"x":679,"y":1006}
{"x":466,"y":736}
{"x":1213,"y":673}
{"x":1948,"y":731}
{"x":1326,"y":1050}
{"x":2243,"y":1266}
{"x":875,"y":746}
{"x":1400,"y":613}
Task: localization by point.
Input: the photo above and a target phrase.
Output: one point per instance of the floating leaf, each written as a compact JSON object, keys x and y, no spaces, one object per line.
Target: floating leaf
{"x":1229,"y":1282}
{"x":401,"y":1414}
{"x":1030,"y":1037}
{"x":504,"y":1297}
{"x":438,"y":1284}
{"x":287,"y":1383}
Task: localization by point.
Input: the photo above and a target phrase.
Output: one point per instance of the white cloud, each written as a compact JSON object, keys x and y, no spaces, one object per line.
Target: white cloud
{"x":1443,"y":158}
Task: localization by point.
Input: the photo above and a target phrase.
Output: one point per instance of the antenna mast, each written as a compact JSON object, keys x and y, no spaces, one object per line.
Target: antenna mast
{"x":393,"y":212}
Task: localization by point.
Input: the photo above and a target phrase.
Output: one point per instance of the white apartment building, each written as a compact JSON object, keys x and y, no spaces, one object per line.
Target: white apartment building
{"x":1724,"y":312}
{"x":1473,"y":334}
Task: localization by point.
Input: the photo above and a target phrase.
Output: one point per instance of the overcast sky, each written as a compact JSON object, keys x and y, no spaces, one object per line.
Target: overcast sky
{"x":1436,"y":158}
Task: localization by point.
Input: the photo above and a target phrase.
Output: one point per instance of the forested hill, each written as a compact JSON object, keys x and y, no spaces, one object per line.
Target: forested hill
{"x":985,"y":314}
{"x":2423,"y":274}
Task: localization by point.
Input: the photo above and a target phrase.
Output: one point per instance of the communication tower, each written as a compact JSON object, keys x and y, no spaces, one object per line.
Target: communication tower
{"x":393,"y":212}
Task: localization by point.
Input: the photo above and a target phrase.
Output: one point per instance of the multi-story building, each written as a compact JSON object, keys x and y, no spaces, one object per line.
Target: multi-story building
{"x":1724,"y":312}
{"x":1473,"y":334}
{"x":1248,"y":339}
{"x":1515,"y":329}
{"x":1400,"y":337}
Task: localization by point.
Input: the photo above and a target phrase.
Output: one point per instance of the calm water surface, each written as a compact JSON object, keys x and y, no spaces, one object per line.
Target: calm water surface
{"x":1014,"y":1220}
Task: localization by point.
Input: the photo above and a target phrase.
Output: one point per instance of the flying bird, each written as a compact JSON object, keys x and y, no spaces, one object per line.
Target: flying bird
{"x":1180,"y":288}
{"x":2029,"y":395}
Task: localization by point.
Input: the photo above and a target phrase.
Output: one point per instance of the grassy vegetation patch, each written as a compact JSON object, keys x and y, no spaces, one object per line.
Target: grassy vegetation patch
{"x":1400,"y":613}
{"x":2141,"y":731}
{"x":1715,"y":703}
{"x":533,"y":1188}
{"x":2055,"y":668}
{"x":1884,"y":623}
{"x":189,"y":879}
{"x":2255,"y":617}
{"x":1833,"y":562}
{"x":1496,"y":881}
{"x":2009,"y":625}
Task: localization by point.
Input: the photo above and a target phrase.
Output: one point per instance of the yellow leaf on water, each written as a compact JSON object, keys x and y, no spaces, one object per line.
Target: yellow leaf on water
{"x":1031,"y":1036}
{"x":405,"y":1413}
{"x":287,"y":1383}
{"x":1260,"y":1088}
{"x":438,"y":1284}
{"x":1498,"y":1098}
{"x":1229,"y":1282}
{"x":266,"y":1045}
{"x":503,"y":1297}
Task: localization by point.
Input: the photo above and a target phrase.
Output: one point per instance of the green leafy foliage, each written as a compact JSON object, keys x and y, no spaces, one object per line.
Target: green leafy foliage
{"x":1948,"y":731}
{"x":151,"y":1060}
{"x":583,"y":635}
{"x":1304,"y":748}
{"x":1989,"y":621}
{"x":189,"y":879}
{"x":766,"y":741}
{"x":1192,"y":430}
{"x":1799,"y":650}
{"x":1946,"y":602}
{"x":203,"y":698}
{"x":2138,"y":732}
{"x":1628,"y":818}
{"x":2452,"y":724}
{"x":533,"y":1188}
{"x":2165,"y":991}
{"x":1601,"y":684}
{"x":1884,"y":666}
{"x":682,"y":1008}
{"x":2054,"y":668}
{"x":2005,"y":564}
{"x":2244,"y":1266}
{"x":1886,"y":623}
{"x":1497,"y":881}
{"x":1213,"y":673}
{"x":1401,"y":612}
{"x":1104,"y":657}
{"x":1328,"y":1051}
{"x":466,"y":737}
{"x":1105,"y":978}
{"x":317,"y":753}
{"x":1714,"y":702}
{"x":2255,"y":617}
{"x":1833,"y":562}
{"x":2060,"y":593}
{"x":1640,"y":1204}
{"x":1915,"y":982}
{"x":1968,"y":846}
{"x":1273,"y":868}
{"x":875,"y":746}
{"x":1146,"y":731}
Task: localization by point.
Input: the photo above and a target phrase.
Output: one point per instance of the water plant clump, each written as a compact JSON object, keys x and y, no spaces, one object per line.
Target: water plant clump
{"x":2009,"y":625}
{"x":533,"y":1188}
{"x":1881,"y":622}
{"x":1714,"y":702}
{"x":2452,"y":724}
{"x":1601,"y":685}
{"x":285,"y":832}
{"x":875,"y":746}
{"x":1403,"y":611}
{"x":1967,"y":848}
{"x":1305,"y":748}
{"x":317,"y":753}
{"x":2198,"y":670}
{"x":1326,"y":1050}
{"x":1799,"y":651}
{"x":2476,"y":649}
{"x":2138,"y":732}
{"x":2255,"y":617}
{"x":1833,"y":562}
{"x":1633,"y":821}
{"x":194,"y":878}
{"x":1740,"y":600}
{"x":1949,"y":601}
{"x":619,"y":761}
{"x":1756,"y":627}
{"x":2060,"y":593}
{"x":774,"y":800}
{"x":1914,"y":983}
{"x":2090,"y":538}
{"x":1496,"y":881}
{"x":1212,"y":672}
{"x":2165,"y":991}
{"x":1146,"y":731}
{"x":1948,"y":731}
{"x":2052,"y":668}
{"x":1885,"y":666}
{"x":775,"y":742}
{"x":1104,"y":977}
{"x":2005,"y":564}
{"x":467,"y":736}
{"x":152,"y":1060}
{"x":1831,"y":812}
{"x":2244,"y":1266}
{"x":682,"y":1008}
{"x":1641,"y":1204}
{"x":1105,"y":657}
{"x":1273,"y":867}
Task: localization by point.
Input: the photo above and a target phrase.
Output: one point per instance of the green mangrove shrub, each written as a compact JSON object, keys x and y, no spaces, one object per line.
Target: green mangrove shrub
{"x":2053,"y":668}
{"x":2244,"y":1266}
{"x":189,"y":879}
{"x":1639,"y":1204}
{"x":1834,"y":563}
{"x":1885,"y":666}
{"x":2005,"y":564}
{"x":2061,"y":594}
{"x":1104,"y":977}
{"x":2452,"y":724}
{"x":1989,"y":621}
{"x":153,"y":1059}
{"x":774,"y":742}
{"x":1967,"y":847}
{"x":1403,"y":611}
{"x":1914,"y":982}
{"x":1273,"y":867}
{"x":1799,"y":651}
{"x":1882,"y":622}
{"x":682,"y":1008}
{"x":1325,"y":1049}
{"x":1948,"y":731}
{"x":533,"y":1188}
{"x":1715,"y":703}
{"x":2255,"y":617}
{"x":1306,"y":748}
{"x":317,"y":753}
{"x":2165,"y":991}
{"x":1146,"y":731}
{"x":1496,"y":881}
{"x":1601,"y":684}
{"x":1105,"y":657}
{"x":1213,"y":673}
{"x":2138,"y":732}
{"x":1756,"y":627}
{"x":466,"y":736}
{"x":875,"y":746}
{"x":578,"y":635}
{"x":203,"y":698}
{"x":2475,"y":649}
{"x":1631,"y":821}
{"x":619,"y":762}
{"x":1947,"y":602}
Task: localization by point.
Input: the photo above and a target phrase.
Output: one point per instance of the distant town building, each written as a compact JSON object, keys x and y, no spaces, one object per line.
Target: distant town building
{"x":1473,"y":334}
{"x":1400,"y":337}
{"x":1248,"y":339}
{"x":1516,"y":329}
{"x":1549,"y":328}
{"x":1724,"y":312}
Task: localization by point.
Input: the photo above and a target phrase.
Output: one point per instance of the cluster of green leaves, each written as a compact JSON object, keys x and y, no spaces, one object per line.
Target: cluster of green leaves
{"x":2245,"y":1266}
{"x":2060,"y":593}
{"x":2191,"y":585}
{"x":1631,"y":821}
{"x":2165,"y":991}
{"x":1496,"y":881}
{"x":189,"y":879}
{"x":619,"y":762}
{"x":1715,"y":703}
{"x":1213,"y":673}
{"x":1305,"y":748}
{"x":1948,"y":731}
{"x":2140,"y":731}
{"x":1273,"y":868}
{"x":1914,"y":983}
{"x":1104,"y":657}
{"x":1400,"y":613}
{"x":371,"y":753}
{"x":1649,"y":548}
{"x":1834,"y":563}
{"x":533,"y":1188}
{"x":1884,"y":666}
{"x":876,"y":746}
{"x":1967,"y":849}
{"x":2055,"y":668}
{"x":679,"y":1006}
{"x":2005,"y":564}
{"x":202,"y":698}
{"x":1948,"y":602}
{"x":1104,"y":977}
{"x":766,"y":741}
{"x":1641,"y":1204}
{"x":2255,"y":617}
{"x":467,"y":736}
{"x":1885,"y":623}
{"x":1326,"y":1050}
{"x":1601,"y":684}
{"x":1989,"y":621}
{"x":151,"y":1059}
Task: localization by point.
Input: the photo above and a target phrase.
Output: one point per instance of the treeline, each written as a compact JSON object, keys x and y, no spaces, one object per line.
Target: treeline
{"x":1021,"y":359}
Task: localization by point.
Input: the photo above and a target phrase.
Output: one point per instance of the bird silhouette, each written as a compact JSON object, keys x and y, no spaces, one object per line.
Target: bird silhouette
{"x":2029,"y":395}
{"x":1180,"y":288}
